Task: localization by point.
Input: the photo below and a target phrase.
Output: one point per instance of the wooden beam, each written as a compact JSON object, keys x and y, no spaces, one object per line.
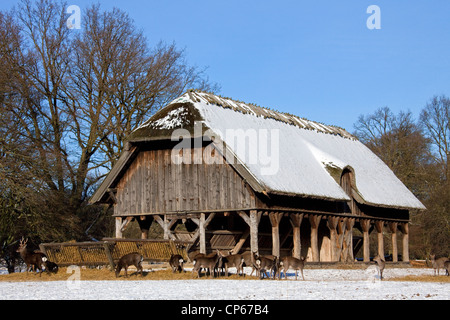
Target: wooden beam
{"x":241,"y":242}
{"x":379,"y":227}
{"x":203,"y":224}
{"x":118,"y":227}
{"x":296,"y":221}
{"x":365,"y":226}
{"x":255,"y":217}
{"x":252,"y":221}
{"x":245,"y":217}
{"x":393,"y":229}
{"x":404,"y":227}
{"x":347,"y":246}
{"x":166,"y":224}
{"x":275,"y":218}
{"x":202,"y":229}
{"x":332,"y":223}
{"x":315,"y":221}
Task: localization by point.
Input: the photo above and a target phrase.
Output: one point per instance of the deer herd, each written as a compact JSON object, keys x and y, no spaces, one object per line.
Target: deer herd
{"x":265,"y":266}
{"x":215,"y":263}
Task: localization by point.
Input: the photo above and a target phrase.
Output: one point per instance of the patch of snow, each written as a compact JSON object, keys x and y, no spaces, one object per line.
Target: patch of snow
{"x":323,"y":284}
{"x":172,"y":120}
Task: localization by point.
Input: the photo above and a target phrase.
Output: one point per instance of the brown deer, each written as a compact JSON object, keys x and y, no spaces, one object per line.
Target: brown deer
{"x":438,"y":263}
{"x":292,"y":263}
{"x":31,"y":259}
{"x":249,"y":261}
{"x":176,"y":262}
{"x":50,"y":267}
{"x":207,"y":262}
{"x":381,"y":264}
{"x":233,"y":260}
{"x":267,"y":262}
{"x":127,"y":260}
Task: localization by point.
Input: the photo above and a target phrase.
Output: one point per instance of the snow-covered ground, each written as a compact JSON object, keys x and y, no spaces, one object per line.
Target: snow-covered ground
{"x":325,"y":284}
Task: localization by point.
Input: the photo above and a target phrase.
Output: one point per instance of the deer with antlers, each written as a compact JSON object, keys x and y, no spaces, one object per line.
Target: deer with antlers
{"x":31,"y":259}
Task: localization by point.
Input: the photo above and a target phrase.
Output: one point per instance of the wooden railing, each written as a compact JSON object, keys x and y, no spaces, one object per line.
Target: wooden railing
{"x":110,"y":250}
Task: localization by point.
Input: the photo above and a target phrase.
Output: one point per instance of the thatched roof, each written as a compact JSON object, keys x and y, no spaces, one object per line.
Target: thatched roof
{"x":294,"y":156}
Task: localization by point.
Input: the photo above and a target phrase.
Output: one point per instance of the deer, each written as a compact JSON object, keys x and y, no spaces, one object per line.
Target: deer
{"x":233,"y":260}
{"x":249,"y":261}
{"x":127,"y":260}
{"x":31,"y":259}
{"x":207,"y":262}
{"x":381,"y":264}
{"x":50,"y":267}
{"x":292,"y":263}
{"x":176,"y":262}
{"x":263,"y":263}
{"x":438,"y":263}
{"x":196,"y":254}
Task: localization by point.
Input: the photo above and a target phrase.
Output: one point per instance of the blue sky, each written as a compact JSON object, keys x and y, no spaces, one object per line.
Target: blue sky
{"x":315,"y":59}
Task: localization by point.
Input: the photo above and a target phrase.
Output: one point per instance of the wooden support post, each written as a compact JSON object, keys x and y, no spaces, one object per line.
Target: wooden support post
{"x":315,"y":221}
{"x":119,"y":227}
{"x":393,"y":229}
{"x":379,"y":227}
{"x":275,"y":218}
{"x":332,"y":224}
{"x":347,"y":246}
{"x":253,"y":222}
{"x":255,"y":217}
{"x":341,"y":227}
{"x":296,"y":221}
{"x":365,"y":226}
{"x":404,"y":227}
{"x":202,"y":233}
{"x":201,"y":230}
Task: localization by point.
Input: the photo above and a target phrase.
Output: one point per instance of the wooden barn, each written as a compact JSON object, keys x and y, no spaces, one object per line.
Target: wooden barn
{"x":240,"y":177}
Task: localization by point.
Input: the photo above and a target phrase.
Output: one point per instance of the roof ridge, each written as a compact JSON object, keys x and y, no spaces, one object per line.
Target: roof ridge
{"x":197,"y":96}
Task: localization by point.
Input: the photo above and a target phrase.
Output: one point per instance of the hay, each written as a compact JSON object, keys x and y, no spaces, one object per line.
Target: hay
{"x":159,"y":273}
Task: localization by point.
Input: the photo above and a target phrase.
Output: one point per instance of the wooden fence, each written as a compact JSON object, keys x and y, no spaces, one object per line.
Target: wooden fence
{"x":110,"y":250}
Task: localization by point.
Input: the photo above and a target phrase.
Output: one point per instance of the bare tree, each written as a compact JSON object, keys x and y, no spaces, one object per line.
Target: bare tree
{"x":68,"y":99}
{"x":435,"y":119}
{"x":399,"y":142}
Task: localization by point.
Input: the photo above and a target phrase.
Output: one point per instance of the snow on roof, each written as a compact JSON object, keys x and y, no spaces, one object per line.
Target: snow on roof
{"x":290,"y":155}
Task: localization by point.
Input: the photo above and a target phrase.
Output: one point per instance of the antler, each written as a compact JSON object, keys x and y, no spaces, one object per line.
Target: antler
{"x":23,"y":241}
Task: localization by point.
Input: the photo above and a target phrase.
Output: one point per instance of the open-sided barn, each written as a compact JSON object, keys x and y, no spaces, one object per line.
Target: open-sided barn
{"x":242,"y":177}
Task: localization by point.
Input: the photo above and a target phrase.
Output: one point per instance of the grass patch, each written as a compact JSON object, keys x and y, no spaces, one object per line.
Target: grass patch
{"x":422,"y":278}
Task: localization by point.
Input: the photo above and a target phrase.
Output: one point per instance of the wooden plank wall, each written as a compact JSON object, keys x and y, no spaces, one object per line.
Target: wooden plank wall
{"x":154,"y":184}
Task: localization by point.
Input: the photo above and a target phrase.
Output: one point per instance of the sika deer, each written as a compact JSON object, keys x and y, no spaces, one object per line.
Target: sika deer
{"x":50,"y":267}
{"x":249,"y":261}
{"x":264,"y":263}
{"x":176,"y":262}
{"x":292,"y":263}
{"x":207,"y":262}
{"x":381,"y":264}
{"x":233,"y":260}
{"x":127,"y":260}
{"x":438,"y":263}
{"x":33,"y":259}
